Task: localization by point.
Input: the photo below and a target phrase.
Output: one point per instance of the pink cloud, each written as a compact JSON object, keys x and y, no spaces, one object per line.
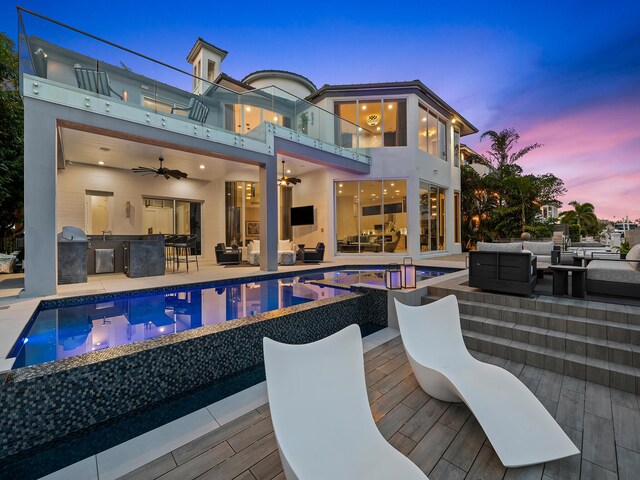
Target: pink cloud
{"x":594,"y":151}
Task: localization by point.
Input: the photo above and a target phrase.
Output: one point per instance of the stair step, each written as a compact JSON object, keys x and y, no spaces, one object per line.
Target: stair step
{"x":604,"y":329}
{"x":603,"y":372}
{"x":559,"y":305}
{"x":597,"y":348}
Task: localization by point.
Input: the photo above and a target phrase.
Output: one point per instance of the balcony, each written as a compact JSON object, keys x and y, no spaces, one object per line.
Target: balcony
{"x":56,"y":66}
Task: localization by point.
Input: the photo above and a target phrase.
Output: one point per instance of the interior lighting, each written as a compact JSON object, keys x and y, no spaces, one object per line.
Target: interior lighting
{"x":364,"y":107}
{"x":453,"y":121}
{"x":390,"y":107}
{"x":424,"y":119}
{"x":393,"y":184}
{"x":248,"y":109}
{"x":100,"y":162}
{"x":340,"y":185}
{"x":201,"y":167}
{"x":288,"y":171}
{"x":339,"y":191}
{"x":275,"y":118}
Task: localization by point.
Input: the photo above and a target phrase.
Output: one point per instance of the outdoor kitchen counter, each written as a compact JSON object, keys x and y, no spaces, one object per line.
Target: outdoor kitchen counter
{"x":134,"y":255}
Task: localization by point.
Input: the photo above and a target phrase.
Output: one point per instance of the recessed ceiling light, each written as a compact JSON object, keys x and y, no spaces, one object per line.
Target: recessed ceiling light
{"x":424,"y":119}
{"x":288,"y":171}
{"x":275,"y":118}
{"x":378,"y":128}
{"x":339,"y":191}
{"x":100,"y":162}
{"x":340,"y":185}
{"x":393,"y":184}
{"x":364,"y":107}
{"x":201,"y":167}
{"x":390,"y":106}
{"x":248,"y":109}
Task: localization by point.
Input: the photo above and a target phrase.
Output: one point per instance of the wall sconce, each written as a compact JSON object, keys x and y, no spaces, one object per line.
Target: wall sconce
{"x":408,"y":273}
{"x":393,"y":277}
{"x":128,"y":209}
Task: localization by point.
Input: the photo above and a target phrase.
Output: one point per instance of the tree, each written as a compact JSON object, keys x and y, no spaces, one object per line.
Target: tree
{"x":582,"y":215}
{"x":11,"y":142}
{"x":502,"y":143}
{"x":505,"y":202}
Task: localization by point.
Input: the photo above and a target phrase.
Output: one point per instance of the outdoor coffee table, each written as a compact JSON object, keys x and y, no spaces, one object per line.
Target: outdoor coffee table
{"x":561,"y":280}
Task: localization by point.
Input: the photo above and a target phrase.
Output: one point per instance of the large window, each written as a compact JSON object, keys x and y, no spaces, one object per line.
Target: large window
{"x":380,"y":123}
{"x":242,"y":212}
{"x":172,"y":216}
{"x":432,"y":217}
{"x":432,"y":133}
{"x":456,"y":147}
{"x":371,"y":216}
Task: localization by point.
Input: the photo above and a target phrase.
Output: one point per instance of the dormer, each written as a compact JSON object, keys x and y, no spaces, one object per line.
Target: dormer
{"x":205,"y":59}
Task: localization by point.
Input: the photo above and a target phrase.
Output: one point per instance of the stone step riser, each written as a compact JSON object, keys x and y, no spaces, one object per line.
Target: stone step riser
{"x":604,"y":373}
{"x":600,"y":329}
{"x":557,"y":305}
{"x":614,"y":351}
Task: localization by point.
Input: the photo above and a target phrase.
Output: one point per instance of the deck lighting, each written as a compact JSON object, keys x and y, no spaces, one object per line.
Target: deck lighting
{"x":408,"y":270}
{"x":393,"y":277}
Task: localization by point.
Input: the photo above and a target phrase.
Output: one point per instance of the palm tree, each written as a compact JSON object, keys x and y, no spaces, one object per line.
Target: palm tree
{"x":501,"y":145}
{"x":581,"y":215}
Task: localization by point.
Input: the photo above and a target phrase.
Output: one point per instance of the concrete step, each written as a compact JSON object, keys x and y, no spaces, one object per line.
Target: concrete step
{"x":559,"y":305}
{"x":622,"y":353}
{"x":603,"y":372}
{"x":570,"y":324}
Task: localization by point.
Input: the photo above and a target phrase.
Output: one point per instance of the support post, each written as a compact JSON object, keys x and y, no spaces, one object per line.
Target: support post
{"x":40,"y":243}
{"x":269,"y":216}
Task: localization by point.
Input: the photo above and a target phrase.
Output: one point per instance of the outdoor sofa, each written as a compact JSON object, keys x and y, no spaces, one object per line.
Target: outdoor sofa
{"x":503,"y":267}
{"x":610,"y":276}
{"x":227,"y":256}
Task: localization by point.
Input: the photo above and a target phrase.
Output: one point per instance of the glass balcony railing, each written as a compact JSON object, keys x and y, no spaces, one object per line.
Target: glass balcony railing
{"x":135,"y":85}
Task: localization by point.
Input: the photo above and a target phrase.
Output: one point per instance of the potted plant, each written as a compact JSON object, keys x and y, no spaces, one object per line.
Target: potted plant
{"x":623,"y":249}
{"x":303,"y":126}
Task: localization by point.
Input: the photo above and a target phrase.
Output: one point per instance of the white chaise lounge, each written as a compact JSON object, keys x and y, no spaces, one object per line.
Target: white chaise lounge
{"x":519,"y":428}
{"x":321,"y":414}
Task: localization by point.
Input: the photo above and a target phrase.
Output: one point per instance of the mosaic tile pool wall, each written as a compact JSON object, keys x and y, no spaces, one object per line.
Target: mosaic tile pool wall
{"x":50,"y":401}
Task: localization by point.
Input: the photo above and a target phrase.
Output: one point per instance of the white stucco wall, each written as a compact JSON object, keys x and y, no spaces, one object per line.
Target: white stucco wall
{"x":285,"y":84}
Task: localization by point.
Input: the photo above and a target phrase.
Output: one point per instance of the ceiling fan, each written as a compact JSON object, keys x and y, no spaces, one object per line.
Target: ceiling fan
{"x":285,"y":181}
{"x":177,"y":174}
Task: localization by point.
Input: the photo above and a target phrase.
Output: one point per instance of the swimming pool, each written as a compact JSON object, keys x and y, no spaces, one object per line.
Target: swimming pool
{"x":61,"y":331}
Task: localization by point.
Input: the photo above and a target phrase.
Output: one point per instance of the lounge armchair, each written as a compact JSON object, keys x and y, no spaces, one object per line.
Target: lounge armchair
{"x":518,"y":426}
{"x":196,"y":111}
{"x":313,"y":255}
{"x":227,"y":256}
{"x":500,"y":271}
{"x":96,"y":81}
{"x":321,"y":415}
{"x":611,"y":276}
{"x":287,"y":252}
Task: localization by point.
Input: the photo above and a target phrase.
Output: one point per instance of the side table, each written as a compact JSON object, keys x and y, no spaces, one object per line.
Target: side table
{"x":561,"y":280}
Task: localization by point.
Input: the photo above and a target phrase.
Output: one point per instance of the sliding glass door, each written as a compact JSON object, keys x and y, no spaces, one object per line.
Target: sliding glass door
{"x":432,"y":217}
{"x":172,"y":216}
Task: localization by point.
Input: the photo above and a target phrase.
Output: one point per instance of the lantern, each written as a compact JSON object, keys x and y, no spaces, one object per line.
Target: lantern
{"x":408,"y":270}
{"x":393,"y":277}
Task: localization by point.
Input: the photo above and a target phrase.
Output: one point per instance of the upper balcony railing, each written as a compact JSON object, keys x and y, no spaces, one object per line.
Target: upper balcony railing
{"x":66,"y":57}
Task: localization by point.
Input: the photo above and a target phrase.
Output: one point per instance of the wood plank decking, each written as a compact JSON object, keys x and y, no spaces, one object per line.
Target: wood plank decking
{"x":443,"y":439}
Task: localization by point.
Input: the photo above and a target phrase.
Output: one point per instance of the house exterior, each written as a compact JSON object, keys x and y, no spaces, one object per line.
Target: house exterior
{"x":379,"y":164}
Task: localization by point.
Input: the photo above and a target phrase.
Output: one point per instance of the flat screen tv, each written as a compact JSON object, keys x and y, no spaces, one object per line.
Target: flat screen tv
{"x":302,"y":215}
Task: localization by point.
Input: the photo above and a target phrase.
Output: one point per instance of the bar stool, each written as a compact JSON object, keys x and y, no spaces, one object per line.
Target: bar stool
{"x":169,"y":258}
{"x":182,"y":246}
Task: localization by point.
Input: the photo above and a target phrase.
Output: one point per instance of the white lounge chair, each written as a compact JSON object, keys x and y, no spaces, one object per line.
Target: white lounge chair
{"x":321,"y":414}
{"x":519,"y":428}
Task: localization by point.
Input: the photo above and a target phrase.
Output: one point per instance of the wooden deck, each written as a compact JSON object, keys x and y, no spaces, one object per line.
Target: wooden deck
{"x":443,"y":439}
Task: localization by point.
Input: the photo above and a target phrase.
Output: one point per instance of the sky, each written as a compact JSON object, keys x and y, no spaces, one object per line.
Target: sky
{"x":565,"y":74}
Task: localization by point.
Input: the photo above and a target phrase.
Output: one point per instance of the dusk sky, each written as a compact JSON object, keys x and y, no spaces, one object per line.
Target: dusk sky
{"x":564,"y":74}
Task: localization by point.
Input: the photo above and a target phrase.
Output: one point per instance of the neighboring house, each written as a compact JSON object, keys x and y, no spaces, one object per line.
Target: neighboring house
{"x":379,"y":163}
{"x":548,"y":212}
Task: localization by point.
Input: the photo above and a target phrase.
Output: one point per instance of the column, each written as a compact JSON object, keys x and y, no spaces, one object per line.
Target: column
{"x":269,"y":216}
{"x":40,"y":148}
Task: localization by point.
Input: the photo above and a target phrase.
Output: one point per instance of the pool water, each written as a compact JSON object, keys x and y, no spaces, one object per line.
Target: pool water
{"x":57,"y":333}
